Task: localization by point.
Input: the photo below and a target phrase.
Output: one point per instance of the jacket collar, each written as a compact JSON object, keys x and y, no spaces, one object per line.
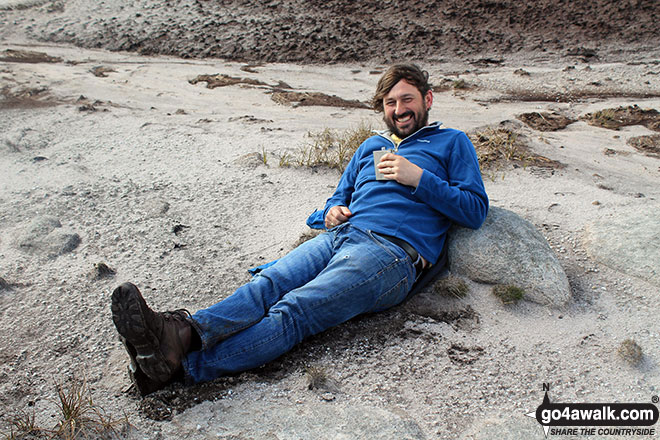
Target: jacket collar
{"x":386,"y":133}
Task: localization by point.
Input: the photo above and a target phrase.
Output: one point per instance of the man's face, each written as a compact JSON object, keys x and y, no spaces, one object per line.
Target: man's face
{"x":405,"y":109}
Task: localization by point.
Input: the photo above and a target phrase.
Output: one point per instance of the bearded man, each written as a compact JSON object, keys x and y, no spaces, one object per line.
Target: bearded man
{"x":386,"y":224}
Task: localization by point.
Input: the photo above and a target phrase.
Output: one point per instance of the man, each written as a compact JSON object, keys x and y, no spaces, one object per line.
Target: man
{"x":381,"y":235}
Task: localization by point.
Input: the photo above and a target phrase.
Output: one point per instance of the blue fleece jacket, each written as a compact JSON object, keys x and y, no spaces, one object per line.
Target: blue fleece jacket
{"x":449,"y":191}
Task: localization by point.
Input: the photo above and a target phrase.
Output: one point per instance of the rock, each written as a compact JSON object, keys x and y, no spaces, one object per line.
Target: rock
{"x":24,"y":139}
{"x":509,"y":250}
{"x":628,"y":242}
{"x":102,"y":270}
{"x":45,"y":235}
{"x":251,"y":160}
{"x":5,"y":285}
{"x":320,"y":420}
{"x":155,"y":207}
{"x":504,"y":427}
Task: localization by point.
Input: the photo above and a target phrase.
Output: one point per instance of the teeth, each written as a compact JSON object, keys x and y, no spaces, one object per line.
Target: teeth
{"x":404,"y":119}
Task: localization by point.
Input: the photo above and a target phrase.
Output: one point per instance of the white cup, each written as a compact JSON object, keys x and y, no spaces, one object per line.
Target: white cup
{"x":378,"y":155}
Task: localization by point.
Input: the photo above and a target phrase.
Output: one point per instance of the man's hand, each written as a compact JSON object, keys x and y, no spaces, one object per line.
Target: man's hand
{"x":336,"y":216}
{"x":395,"y":167}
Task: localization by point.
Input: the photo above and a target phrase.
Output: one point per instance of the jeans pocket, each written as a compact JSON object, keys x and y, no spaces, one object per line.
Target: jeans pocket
{"x":388,"y":246}
{"x":393,"y":296}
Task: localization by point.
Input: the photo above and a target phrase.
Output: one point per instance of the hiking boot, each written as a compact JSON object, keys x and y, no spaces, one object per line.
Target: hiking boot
{"x":143,"y":383}
{"x":156,"y":342}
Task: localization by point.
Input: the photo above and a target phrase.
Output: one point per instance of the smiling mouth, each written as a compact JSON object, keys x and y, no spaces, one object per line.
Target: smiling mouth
{"x":404,"y":118}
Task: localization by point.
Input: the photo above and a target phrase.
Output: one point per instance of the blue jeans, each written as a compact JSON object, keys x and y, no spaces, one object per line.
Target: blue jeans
{"x":322,"y":283}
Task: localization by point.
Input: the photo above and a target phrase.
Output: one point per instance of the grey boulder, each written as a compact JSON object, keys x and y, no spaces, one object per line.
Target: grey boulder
{"x":509,"y":250}
{"x":45,"y":235}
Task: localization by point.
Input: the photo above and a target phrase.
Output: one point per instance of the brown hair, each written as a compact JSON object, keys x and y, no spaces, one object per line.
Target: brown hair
{"x":410,"y":72}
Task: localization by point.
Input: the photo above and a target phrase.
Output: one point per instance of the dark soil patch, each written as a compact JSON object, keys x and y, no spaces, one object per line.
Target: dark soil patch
{"x":379,"y":329}
{"x":26,"y":98}
{"x":26,"y":56}
{"x":648,"y":145}
{"x":347,"y":31}
{"x":315,"y":98}
{"x":571,"y":96}
{"x":447,"y":84}
{"x":176,"y":398}
{"x":102,"y":71}
{"x":221,"y":80}
{"x":615,"y":118}
{"x":544,"y":121}
{"x":463,"y":355}
{"x":497,"y":146}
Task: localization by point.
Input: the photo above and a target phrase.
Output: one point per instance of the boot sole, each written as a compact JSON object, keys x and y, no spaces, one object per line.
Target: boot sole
{"x":129,"y":315}
{"x":143,"y":383}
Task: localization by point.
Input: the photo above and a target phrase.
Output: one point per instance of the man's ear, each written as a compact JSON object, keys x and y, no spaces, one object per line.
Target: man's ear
{"x":428,"y":100}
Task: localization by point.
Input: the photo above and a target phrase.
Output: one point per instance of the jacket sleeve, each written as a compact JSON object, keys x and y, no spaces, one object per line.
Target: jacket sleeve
{"x":462,"y":197}
{"x":344,"y":192}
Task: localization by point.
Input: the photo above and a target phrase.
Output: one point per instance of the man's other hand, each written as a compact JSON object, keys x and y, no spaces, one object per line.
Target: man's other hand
{"x":395,"y":167}
{"x":336,"y":216}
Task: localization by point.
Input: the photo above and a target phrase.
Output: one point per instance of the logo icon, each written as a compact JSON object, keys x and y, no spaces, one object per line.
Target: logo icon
{"x":592,"y":418}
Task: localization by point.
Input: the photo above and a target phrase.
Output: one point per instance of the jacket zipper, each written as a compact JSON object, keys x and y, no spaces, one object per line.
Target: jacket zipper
{"x":396,"y":147}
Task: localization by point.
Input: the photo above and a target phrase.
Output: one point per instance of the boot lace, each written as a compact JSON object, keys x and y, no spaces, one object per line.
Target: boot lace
{"x":176,"y":315}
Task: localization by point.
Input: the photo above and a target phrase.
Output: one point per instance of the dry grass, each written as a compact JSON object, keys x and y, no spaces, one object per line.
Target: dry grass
{"x":24,"y":98}
{"x":26,"y":56}
{"x":297,"y":99}
{"x":451,"y":286}
{"x":545,"y":121}
{"x":79,"y":418}
{"x":316,"y":377}
{"x":329,"y":148}
{"x":615,"y":118}
{"x":508,"y":294}
{"x":631,"y":352}
{"x":461,"y":84}
{"x":222,"y":80}
{"x":497,"y":145}
{"x":649,"y":145}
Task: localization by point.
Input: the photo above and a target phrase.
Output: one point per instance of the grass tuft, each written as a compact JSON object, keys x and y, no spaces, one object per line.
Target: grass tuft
{"x":508,"y":294}
{"x":499,"y":146}
{"x":460,"y":84}
{"x":330,"y":148}
{"x":78,"y":418}
{"x":496,"y":145}
{"x":631,"y":352}
{"x":23,"y":426}
{"x":451,"y":286}
{"x":317,"y":378}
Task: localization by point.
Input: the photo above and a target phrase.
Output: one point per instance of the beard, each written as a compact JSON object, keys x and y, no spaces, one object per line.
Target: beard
{"x":421,"y":119}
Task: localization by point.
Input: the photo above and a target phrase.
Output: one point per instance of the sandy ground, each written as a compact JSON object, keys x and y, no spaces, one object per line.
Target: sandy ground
{"x":179,"y":189}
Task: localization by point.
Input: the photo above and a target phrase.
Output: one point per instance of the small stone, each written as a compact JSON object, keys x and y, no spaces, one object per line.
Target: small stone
{"x":4,"y":285}
{"x":327,"y":397}
{"x":102,"y":270}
